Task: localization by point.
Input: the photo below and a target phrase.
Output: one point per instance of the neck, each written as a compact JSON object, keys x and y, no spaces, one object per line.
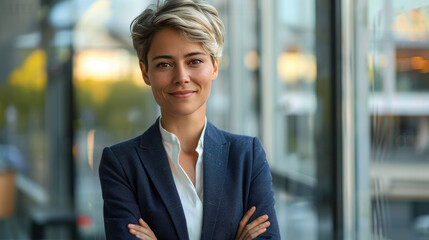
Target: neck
{"x":187,"y":128}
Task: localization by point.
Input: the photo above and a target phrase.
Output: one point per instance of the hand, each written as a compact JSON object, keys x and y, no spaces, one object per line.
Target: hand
{"x":252,"y":230}
{"x":141,"y":231}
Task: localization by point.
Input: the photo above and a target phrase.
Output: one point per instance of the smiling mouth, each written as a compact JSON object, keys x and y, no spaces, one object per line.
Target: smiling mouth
{"x":182,"y":94}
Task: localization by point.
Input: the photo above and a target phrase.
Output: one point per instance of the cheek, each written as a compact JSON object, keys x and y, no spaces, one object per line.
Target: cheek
{"x":158,"y":96}
{"x":157,"y":88}
{"x":204,"y":77}
{"x":159,"y":81}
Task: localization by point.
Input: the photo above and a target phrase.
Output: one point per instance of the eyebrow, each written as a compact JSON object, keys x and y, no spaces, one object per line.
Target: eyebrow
{"x":170,"y":57}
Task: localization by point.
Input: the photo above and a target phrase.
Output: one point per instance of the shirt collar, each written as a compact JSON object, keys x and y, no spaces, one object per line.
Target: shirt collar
{"x":172,"y":139}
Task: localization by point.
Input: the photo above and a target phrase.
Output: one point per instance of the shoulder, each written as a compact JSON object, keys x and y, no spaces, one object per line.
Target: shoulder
{"x":119,"y":154}
{"x":246,"y":156}
{"x":149,"y":137}
{"x":236,"y":141}
{"x":125,"y":146}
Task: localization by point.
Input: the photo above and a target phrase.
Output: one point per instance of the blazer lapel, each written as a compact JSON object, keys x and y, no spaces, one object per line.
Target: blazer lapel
{"x":215,"y":161}
{"x":154,"y":159}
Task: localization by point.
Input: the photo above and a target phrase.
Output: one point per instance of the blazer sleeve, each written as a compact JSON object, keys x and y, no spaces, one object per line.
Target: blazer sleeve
{"x":261,"y":194}
{"x":120,"y":206}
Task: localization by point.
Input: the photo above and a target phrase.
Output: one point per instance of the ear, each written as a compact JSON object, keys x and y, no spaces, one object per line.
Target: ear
{"x":215,"y":68}
{"x":144,"y":73}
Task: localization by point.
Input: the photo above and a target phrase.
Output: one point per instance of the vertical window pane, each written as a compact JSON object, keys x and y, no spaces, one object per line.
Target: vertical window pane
{"x":34,"y":117}
{"x":233,"y":103}
{"x":112,"y":101}
{"x":294,"y":108}
{"x":395,"y":62}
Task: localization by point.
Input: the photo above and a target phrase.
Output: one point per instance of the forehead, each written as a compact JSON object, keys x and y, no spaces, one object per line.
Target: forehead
{"x":171,"y":42}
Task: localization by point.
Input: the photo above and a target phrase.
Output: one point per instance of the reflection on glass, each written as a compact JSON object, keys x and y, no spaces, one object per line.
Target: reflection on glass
{"x":112,"y":102}
{"x":23,"y":138}
{"x":294,"y":109}
{"x":398,"y":73}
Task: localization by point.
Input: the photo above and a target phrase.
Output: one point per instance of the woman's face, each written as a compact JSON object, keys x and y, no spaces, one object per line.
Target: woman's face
{"x":179,"y":72}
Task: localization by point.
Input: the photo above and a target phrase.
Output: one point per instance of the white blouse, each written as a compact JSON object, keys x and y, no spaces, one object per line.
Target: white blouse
{"x":191,"y":196}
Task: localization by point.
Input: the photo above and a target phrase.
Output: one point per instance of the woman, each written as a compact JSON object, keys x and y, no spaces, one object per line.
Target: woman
{"x":183,"y":178}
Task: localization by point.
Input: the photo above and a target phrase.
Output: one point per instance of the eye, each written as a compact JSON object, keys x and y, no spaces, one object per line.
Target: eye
{"x":195,"y":62}
{"x":163,"y":65}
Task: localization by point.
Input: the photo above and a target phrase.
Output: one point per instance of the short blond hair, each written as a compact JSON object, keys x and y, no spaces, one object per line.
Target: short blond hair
{"x":195,"y":19}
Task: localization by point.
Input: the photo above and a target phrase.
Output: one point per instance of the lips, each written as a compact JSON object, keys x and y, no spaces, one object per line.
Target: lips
{"x":182,"y":94}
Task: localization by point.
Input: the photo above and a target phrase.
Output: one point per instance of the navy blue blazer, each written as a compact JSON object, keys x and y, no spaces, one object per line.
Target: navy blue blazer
{"x":136,"y":181}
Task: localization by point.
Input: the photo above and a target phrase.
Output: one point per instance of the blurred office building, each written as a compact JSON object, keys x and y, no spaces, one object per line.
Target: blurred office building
{"x":338,"y":92}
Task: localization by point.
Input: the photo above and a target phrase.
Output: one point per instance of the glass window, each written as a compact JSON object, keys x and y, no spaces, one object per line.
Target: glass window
{"x":70,"y":85}
{"x":392,"y":118}
{"x":233,"y":103}
{"x":111,"y":99}
{"x":35,"y":137}
{"x":289,"y":106}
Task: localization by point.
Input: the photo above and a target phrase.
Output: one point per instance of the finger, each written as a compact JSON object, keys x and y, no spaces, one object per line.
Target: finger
{"x":143,"y":223}
{"x":139,"y":229}
{"x":254,"y":226}
{"x":258,"y":230}
{"x":140,"y":235}
{"x":254,"y":234}
{"x":146,"y":226}
{"x":257,"y":221}
{"x":247,"y":216}
{"x":244,"y":221}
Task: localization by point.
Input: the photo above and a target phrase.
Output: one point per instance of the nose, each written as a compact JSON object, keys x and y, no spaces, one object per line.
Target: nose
{"x":182,"y":75}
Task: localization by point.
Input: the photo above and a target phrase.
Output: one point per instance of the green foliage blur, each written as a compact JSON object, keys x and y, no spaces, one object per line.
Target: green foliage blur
{"x":118,"y":107}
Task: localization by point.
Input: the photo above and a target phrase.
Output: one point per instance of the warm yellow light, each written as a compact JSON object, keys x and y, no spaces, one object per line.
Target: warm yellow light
{"x":426,"y":67}
{"x":101,"y":65}
{"x":107,"y":65}
{"x":412,"y":63}
{"x":418,"y":63}
{"x":251,"y":60}
{"x":293,"y":67}
{"x":136,"y":76}
{"x":90,"y":147}
{"x":32,"y":73}
{"x":95,"y":69}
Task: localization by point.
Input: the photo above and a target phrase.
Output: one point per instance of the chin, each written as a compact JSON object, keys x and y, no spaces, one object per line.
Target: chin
{"x":184,"y":111}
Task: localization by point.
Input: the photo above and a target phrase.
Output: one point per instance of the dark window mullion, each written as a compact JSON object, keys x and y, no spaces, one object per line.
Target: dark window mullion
{"x":328,"y":119}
